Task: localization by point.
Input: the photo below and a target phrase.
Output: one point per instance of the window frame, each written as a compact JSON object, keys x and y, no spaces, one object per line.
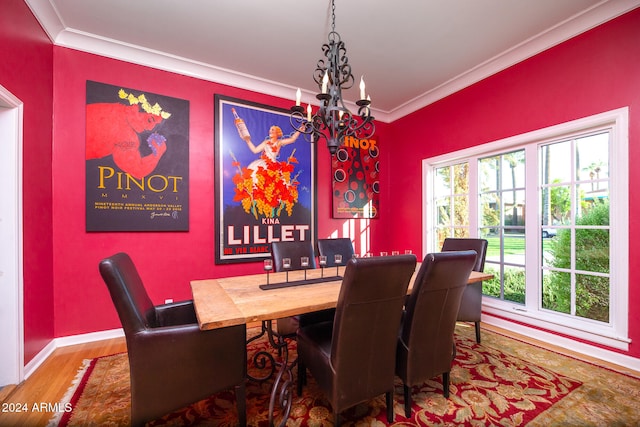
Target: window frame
{"x":615,"y":333}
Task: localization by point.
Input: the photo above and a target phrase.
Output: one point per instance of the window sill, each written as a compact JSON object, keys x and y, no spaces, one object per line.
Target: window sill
{"x":554,"y":325}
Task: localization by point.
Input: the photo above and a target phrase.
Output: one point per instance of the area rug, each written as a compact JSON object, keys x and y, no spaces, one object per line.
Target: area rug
{"x":501,"y":381}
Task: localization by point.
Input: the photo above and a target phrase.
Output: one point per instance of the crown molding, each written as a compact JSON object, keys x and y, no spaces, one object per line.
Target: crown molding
{"x":48,"y":17}
{"x":577,"y":24}
{"x":115,"y":49}
{"x":52,"y":23}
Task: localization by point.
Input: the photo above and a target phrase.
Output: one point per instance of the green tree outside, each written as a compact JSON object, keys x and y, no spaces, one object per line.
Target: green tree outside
{"x":592,"y":256}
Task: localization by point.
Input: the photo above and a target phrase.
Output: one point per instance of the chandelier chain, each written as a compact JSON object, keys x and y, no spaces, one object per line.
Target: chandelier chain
{"x":333,"y":16}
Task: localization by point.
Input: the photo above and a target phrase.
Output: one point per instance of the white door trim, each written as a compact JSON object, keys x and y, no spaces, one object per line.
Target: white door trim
{"x":11,"y":257}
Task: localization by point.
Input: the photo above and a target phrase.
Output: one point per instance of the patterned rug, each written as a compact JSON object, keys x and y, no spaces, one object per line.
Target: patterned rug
{"x":502,"y":382}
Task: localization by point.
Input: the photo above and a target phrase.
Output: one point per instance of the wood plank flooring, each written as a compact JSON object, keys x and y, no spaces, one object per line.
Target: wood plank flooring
{"x":53,"y":378}
{"x":49,"y":383}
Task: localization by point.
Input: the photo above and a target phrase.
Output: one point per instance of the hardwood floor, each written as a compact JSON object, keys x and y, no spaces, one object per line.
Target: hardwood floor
{"x":51,"y":380}
{"x":48,"y":384}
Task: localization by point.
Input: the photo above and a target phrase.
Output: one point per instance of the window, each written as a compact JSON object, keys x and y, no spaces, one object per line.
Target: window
{"x":553,"y":206}
{"x":452,"y":201}
{"x":501,"y":184}
{"x":575,"y":204}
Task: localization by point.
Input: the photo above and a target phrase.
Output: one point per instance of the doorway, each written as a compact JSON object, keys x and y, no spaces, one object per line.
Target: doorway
{"x":11,"y":261}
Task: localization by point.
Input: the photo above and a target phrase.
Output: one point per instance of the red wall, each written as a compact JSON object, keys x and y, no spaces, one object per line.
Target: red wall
{"x":167,"y":261}
{"x":592,"y":73}
{"x":26,"y":70}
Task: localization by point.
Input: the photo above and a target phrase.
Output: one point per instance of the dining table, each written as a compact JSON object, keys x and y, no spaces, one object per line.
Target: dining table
{"x":266,"y":297}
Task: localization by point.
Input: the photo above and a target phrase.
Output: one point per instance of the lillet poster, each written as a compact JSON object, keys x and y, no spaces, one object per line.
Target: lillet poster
{"x":265,"y":181}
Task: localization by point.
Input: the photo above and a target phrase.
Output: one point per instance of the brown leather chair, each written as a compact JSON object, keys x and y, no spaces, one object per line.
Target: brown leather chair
{"x":353,"y":357}
{"x":331,"y":247}
{"x":471,"y":305}
{"x":425,"y":345}
{"x":294,"y":251}
{"x":287,"y":327}
{"x":172,"y":362}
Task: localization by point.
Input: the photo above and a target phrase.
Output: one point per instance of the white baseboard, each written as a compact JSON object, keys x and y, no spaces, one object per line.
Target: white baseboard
{"x":39,"y":358}
{"x":67,"y":341}
{"x":90,"y":337}
{"x":576,"y":346}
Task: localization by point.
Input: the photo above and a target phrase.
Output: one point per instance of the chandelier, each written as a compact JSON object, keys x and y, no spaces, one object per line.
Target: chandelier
{"x":333,"y":121}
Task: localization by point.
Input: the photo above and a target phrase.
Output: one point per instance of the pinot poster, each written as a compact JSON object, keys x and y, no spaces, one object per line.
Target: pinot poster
{"x":137,"y":160}
{"x":356,"y":186}
{"x":264,"y":181}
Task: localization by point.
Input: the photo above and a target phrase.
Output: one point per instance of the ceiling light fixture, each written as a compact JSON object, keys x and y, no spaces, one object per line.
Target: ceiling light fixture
{"x":333,"y":121}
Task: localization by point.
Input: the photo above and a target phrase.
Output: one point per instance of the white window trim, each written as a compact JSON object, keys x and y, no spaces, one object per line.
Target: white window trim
{"x":614,"y":335}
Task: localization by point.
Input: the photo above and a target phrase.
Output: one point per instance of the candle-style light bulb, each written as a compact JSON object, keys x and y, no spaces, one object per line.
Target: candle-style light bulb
{"x":298,"y":96}
{"x":325,"y":82}
{"x":362,"y":93}
{"x":308,"y":112}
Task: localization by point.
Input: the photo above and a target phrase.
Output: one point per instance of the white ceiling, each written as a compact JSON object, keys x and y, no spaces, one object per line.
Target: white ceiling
{"x":411,"y":52}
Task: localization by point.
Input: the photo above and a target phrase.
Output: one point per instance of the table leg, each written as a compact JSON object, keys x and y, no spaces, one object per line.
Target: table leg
{"x":282,"y":390}
{"x":283,"y":384}
{"x":262,"y":358}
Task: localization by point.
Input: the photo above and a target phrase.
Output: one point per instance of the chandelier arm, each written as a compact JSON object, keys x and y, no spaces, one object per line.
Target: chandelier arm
{"x":299,"y":122}
{"x":318,"y":75}
{"x":347,"y":79}
{"x":365,"y":130}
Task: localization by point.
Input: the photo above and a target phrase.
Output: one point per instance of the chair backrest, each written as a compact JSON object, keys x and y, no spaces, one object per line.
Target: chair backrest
{"x":367,"y":321}
{"x":431,"y":311}
{"x":467,"y":244}
{"x":294,"y":251}
{"x":134,"y":307}
{"x":331,"y":247}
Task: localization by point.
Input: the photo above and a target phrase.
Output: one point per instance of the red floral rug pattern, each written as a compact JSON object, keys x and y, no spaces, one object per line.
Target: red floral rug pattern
{"x":488,"y":387}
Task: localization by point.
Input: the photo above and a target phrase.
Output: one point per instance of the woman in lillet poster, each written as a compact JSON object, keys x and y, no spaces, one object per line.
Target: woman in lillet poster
{"x":266,"y":186}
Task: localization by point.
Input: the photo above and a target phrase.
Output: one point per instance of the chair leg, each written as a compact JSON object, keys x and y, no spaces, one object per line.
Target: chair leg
{"x":445,"y":384}
{"x":389,"y":396}
{"x":478,"y":332}
{"x":241,"y":399}
{"x":407,"y":401}
{"x":336,"y":419}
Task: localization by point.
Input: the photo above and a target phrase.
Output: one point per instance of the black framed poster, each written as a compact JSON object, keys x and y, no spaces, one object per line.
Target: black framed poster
{"x":265,"y":181}
{"x":355,"y":170}
{"x":137,"y":160}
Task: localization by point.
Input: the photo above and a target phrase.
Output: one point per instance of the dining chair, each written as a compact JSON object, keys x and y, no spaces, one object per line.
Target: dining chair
{"x":294,"y":250}
{"x":471,"y":304}
{"x":353,"y":358}
{"x":425,"y":346}
{"x":172,"y":362}
{"x":331,"y":247}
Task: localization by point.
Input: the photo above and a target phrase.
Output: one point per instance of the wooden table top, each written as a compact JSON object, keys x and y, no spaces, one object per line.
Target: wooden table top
{"x":237,"y":300}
